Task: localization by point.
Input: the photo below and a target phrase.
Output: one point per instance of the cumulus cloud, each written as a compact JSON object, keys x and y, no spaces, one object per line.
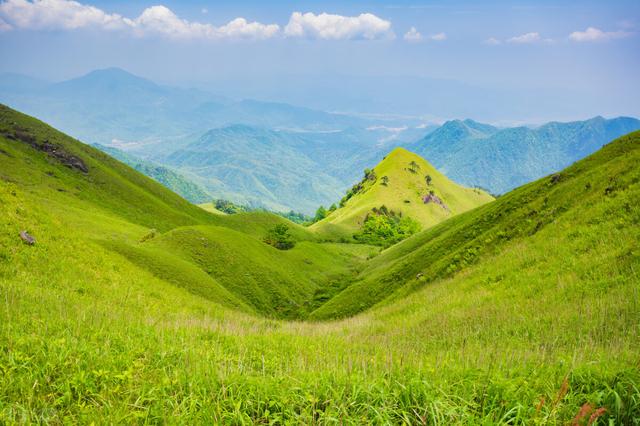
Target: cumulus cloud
{"x":525,"y":38}
{"x":439,"y":37}
{"x":595,"y":34}
{"x":160,"y":20}
{"x":492,"y":41}
{"x":58,"y":14}
{"x":337,"y":27}
{"x":412,"y":35}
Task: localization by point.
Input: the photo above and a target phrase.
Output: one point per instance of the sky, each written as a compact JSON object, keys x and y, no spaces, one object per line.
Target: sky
{"x":498,"y":61}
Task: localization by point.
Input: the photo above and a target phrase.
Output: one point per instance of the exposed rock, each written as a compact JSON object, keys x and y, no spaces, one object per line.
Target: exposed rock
{"x":432,"y":198}
{"x":28,"y":239}
{"x":51,"y":149}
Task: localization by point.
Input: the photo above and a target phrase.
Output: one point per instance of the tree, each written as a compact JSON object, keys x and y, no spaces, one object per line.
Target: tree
{"x":413,"y":166}
{"x":385,"y":180}
{"x":321,"y":213}
{"x":333,"y":207}
{"x":369,"y":174}
{"x":428,"y":179}
{"x":279,"y":237}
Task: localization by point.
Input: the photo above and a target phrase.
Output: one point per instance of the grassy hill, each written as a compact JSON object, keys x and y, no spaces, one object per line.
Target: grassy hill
{"x":399,"y":182}
{"x":522,"y":311}
{"x":119,"y":209}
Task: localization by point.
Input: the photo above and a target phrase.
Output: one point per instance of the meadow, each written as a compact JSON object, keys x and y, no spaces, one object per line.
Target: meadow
{"x":134,"y":306}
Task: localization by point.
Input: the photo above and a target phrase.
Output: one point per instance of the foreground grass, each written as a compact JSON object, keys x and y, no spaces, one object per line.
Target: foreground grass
{"x":526,"y":331}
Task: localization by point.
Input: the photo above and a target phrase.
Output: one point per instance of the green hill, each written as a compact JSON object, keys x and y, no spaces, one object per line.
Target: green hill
{"x":401,"y":182}
{"x":522,"y":311}
{"x":117,"y":208}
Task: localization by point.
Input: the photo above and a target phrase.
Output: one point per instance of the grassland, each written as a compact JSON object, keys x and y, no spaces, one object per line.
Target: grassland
{"x":521,"y":311}
{"x":399,"y":183}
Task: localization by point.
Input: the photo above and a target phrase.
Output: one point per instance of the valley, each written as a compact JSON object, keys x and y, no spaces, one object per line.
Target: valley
{"x":134,"y":305}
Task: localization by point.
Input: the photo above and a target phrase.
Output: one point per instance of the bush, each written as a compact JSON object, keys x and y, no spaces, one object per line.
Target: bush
{"x":279,"y":237}
{"x":384,"y":227}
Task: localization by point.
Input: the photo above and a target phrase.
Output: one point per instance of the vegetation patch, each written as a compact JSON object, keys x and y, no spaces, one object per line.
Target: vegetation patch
{"x":279,"y":237}
{"x":385,"y":227}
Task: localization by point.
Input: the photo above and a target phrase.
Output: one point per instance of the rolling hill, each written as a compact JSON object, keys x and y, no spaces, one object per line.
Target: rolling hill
{"x":406,"y":184}
{"x":127,"y":213}
{"x":499,"y":160}
{"x":135,"y":306}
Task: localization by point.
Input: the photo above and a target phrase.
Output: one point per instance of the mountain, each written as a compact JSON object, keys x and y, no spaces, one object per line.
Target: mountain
{"x":502,"y":159}
{"x":123,"y":303}
{"x":114,"y":107}
{"x":320,"y":154}
{"x":256,"y":166}
{"x":161,"y":174}
{"x":406,"y":184}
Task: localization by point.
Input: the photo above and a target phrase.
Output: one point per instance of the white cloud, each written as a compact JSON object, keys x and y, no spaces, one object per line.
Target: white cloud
{"x":595,"y":34}
{"x":337,"y":27}
{"x":412,"y":35}
{"x":492,"y":41}
{"x":439,"y":37}
{"x":58,"y":14}
{"x":160,"y":20}
{"x":525,"y":38}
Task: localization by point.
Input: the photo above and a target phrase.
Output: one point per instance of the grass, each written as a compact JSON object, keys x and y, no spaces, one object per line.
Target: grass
{"x":530,"y":323}
{"x":402,"y":191}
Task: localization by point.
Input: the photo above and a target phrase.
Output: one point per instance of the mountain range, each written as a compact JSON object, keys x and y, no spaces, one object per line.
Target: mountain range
{"x":500,"y":159}
{"x":284,"y":157}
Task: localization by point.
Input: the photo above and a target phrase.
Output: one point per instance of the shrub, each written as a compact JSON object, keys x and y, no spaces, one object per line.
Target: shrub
{"x":279,"y":237}
{"x":384,"y":227}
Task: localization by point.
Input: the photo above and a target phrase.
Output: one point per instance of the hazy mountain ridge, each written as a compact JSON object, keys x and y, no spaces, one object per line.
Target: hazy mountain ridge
{"x":319,"y":154}
{"x":501,"y":159}
{"x":112,"y":104}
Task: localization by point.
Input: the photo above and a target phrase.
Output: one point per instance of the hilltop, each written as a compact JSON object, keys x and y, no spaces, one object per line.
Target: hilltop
{"x":134,"y":305}
{"x":406,"y":184}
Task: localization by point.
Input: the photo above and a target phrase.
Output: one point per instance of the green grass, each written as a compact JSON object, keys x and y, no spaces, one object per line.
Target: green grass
{"x":403,"y":193}
{"x":97,"y":325}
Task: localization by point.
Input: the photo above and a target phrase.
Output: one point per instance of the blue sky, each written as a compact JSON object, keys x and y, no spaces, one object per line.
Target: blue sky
{"x":495,"y":60}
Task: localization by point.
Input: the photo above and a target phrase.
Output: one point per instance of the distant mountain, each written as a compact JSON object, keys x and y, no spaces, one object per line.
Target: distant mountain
{"x":113,"y":107}
{"x":481,"y":155}
{"x":261,"y":167}
{"x":405,"y":183}
{"x":164,"y":175}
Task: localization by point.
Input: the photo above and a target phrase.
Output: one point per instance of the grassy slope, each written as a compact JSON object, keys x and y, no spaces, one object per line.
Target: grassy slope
{"x":116,"y":207}
{"x":171,"y":179}
{"x":92,"y":336}
{"x":210,"y":208}
{"x":560,"y":206}
{"x":403,"y":186}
